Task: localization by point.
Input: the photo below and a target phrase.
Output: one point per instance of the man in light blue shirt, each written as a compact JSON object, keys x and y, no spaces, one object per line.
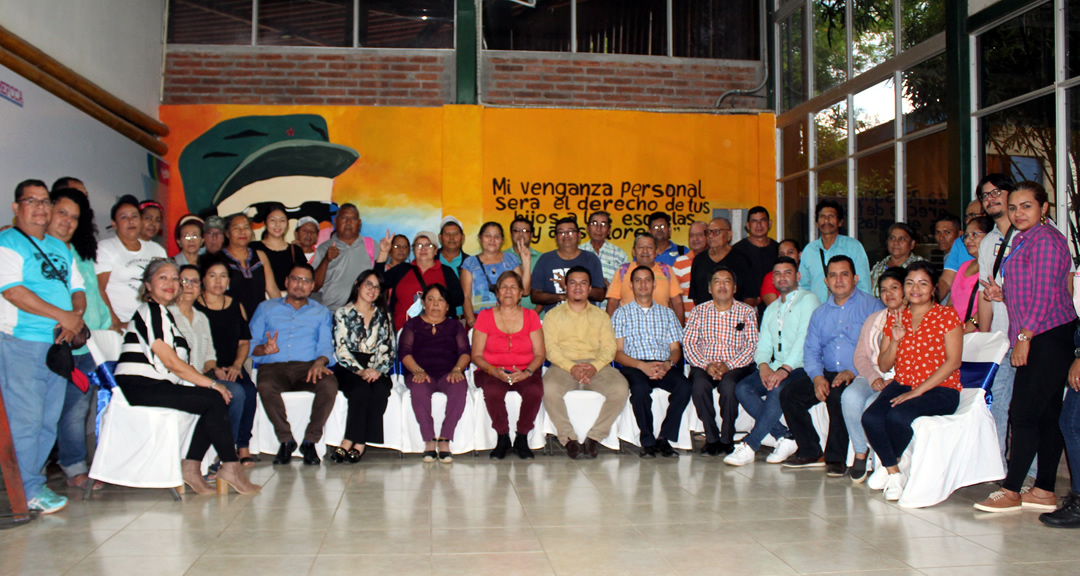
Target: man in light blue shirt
{"x":293,"y":350}
{"x":830,"y":243}
{"x":829,"y":358}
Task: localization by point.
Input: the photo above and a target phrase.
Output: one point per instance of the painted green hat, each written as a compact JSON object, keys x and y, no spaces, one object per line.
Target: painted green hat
{"x":240,"y":151}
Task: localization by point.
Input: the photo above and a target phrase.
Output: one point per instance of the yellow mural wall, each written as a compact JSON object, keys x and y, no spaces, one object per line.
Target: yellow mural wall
{"x":416,"y":165}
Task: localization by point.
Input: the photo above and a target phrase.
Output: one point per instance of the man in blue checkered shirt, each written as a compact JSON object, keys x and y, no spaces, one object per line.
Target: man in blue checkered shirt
{"x":648,"y":345}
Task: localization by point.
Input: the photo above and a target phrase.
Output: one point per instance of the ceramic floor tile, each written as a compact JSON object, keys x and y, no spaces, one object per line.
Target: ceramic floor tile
{"x":160,"y":566}
{"x":252,"y":565}
{"x":373,"y":565}
{"x":363,"y":520}
{"x":518,"y":563}
{"x":586,"y":513}
{"x":484,"y":540}
{"x":603,"y":562}
{"x":942,"y":552}
{"x":155,"y":543}
{"x":1003,"y":570}
{"x":1028,"y":547}
{"x":767,"y":509}
{"x":266,"y":543}
{"x":834,"y":556}
{"x":741,"y":559}
{"x":590,"y":537}
{"x":413,"y":542}
{"x":478,"y":517}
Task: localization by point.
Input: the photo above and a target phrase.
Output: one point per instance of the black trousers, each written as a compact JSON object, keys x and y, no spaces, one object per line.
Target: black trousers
{"x":1036,"y":407}
{"x":213,"y":426}
{"x":796,"y":399}
{"x":367,"y":403}
{"x":702,"y":386}
{"x":641,"y":387}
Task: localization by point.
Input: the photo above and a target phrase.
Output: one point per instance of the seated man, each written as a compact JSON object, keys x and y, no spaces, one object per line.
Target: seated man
{"x":294,"y":350}
{"x":829,"y":356}
{"x":666,"y":290}
{"x":647,"y":345}
{"x":581,"y":345}
{"x":720,"y":339}
{"x":779,"y":358}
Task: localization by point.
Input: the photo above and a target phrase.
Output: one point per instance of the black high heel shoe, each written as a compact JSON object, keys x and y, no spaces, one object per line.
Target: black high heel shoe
{"x":339,"y":455}
{"x":355,"y":456}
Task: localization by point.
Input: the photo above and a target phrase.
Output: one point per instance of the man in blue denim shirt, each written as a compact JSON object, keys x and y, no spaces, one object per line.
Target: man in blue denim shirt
{"x":294,"y":350}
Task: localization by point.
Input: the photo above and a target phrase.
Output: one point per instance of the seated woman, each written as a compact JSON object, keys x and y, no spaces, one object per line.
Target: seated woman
{"x":435,"y":351}
{"x":364,"y":348}
{"x":231,"y":340}
{"x":251,"y":278}
{"x":508,"y":350}
{"x":153,"y":370}
{"x":407,"y":281}
{"x":480,"y":273}
{"x":862,"y":391}
{"x":924,"y":342}
{"x":189,"y":239}
{"x":281,"y":254}
{"x":964,"y":292}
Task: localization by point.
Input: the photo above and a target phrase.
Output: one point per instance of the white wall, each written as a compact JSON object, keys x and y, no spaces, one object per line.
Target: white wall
{"x":117,"y":44}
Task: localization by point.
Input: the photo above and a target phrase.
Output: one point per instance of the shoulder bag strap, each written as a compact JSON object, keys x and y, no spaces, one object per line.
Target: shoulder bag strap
{"x":1001,"y":251}
{"x":420,"y":277}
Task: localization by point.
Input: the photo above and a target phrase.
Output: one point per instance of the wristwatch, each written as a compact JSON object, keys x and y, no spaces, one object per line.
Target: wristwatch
{"x":1076,"y":353}
{"x":1021,"y":337}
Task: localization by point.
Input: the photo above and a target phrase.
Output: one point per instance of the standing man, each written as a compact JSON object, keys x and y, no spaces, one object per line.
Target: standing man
{"x":666,"y":291}
{"x":760,"y":250}
{"x":342,"y":258}
{"x":779,"y":359}
{"x":610,"y":255}
{"x":720,"y":339}
{"x":580,"y":344}
{"x":549,"y":275}
{"x":306,"y":236}
{"x":451,"y":236}
{"x":829,"y":357}
{"x":993,"y":191}
{"x":684,"y":264}
{"x":719,"y":253}
{"x":521,"y":230}
{"x":957,"y":252}
{"x":812,"y":267}
{"x":648,"y":345}
{"x":43,"y":304}
{"x":660,"y":228}
{"x":294,"y":351}
{"x":213,"y":235}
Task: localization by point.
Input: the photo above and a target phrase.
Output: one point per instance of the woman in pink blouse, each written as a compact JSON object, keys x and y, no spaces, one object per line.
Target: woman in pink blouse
{"x":964,"y":291}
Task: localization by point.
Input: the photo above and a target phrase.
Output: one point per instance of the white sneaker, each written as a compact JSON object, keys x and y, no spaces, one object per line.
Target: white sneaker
{"x":894,"y":486}
{"x":742,"y":456}
{"x":783,"y":450}
{"x":878,"y":478}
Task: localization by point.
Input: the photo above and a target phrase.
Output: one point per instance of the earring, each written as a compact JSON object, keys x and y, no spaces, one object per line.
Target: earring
{"x":1042,"y":219}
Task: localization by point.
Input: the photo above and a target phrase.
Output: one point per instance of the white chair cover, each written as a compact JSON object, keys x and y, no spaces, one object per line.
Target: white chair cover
{"x":298,"y":410}
{"x":393,"y":437}
{"x":744,"y":423}
{"x":464,"y":435}
{"x":629,"y":431}
{"x":487,"y":438}
{"x":583,"y":406}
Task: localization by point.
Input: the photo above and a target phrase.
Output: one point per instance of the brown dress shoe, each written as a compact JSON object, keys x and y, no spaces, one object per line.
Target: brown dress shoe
{"x":591,"y":448}
{"x":573,"y":449}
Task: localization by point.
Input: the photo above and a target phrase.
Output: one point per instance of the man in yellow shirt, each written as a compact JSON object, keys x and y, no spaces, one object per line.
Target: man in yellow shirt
{"x":580,"y":344}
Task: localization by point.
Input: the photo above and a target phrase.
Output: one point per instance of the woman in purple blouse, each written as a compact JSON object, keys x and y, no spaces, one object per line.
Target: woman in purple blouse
{"x":1041,"y":318}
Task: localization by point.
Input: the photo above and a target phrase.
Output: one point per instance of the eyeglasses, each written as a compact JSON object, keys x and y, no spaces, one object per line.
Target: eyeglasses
{"x":399,"y":246}
{"x":36,"y":202}
{"x":190,"y":237}
{"x":424,"y":246}
{"x":566,"y":232}
{"x":659,"y":226}
{"x":301,"y":279}
{"x":190,"y":281}
{"x":370,"y":284}
{"x":715,"y":232}
{"x":972,"y":235}
{"x":599,"y":224}
{"x":520,"y":231}
{"x":990,"y":193}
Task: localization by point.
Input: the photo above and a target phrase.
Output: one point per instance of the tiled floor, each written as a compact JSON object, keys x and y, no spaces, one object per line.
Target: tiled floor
{"x":614,"y":515}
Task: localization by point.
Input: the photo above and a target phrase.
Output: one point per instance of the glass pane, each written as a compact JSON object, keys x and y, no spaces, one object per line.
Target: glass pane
{"x":920,"y":19}
{"x":716,"y":29}
{"x":876,"y":201}
{"x":210,"y":22}
{"x":794,"y":147}
{"x":510,"y":26}
{"x":428,"y":24}
{"x":621,"y":27}
{"x":926,"y":175}
{"x":831,"y":136}
{"x":875,"y":110}
{"x":1073,"y":107}
{"x":306,"y":23}
{"x":873,"y":34}
{"x":1017,"y":56}
{"x":1020,"y":141}
{"x":924,"y":94}
{"x":797,"y":209}
{"x":832,"y":185}
{"x":792,"y":65}
{"x":830,"y":44}
{"x":1072,"y":31}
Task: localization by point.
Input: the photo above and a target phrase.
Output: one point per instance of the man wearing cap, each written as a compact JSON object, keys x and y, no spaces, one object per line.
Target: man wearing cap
{"x":341,"y":259}
{"x":307,"y":236}
{"x":213,"y":233}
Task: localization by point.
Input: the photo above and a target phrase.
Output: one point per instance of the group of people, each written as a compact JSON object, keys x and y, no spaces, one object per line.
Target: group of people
{"x":773,"y":327}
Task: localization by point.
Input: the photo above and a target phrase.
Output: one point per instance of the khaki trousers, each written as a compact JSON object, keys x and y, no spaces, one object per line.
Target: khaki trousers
{"x":608,"y":382}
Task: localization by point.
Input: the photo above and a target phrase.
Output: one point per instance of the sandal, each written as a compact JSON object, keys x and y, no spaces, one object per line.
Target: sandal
{"x":247,"y":461}
{"x":430,"y":456}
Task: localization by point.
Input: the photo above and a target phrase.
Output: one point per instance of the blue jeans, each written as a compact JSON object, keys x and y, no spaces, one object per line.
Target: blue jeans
{"x":1070,"y":429}
{"x":888,"y":427}
{"x":858,"y":396}
{"x":241,"y":408}
{"x":33,"y":397}
{"x":1002,"y":390}
{"x":71,"y":433}
{"x":763,"y":406}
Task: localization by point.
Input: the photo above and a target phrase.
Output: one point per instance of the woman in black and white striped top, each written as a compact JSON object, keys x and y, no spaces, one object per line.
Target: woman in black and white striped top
{"x":153,"y":370}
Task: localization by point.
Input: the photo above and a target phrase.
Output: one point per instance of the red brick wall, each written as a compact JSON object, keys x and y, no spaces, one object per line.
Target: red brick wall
{"x":614,"y":81}
{"x":244,"y":75}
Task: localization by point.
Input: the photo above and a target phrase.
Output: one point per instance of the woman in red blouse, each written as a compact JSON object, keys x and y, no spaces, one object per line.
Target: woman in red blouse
{"x":508,"y":350}
{"x":924,"y":344}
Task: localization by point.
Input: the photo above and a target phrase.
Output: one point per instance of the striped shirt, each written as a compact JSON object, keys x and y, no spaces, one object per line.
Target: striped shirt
{"x":150,"y":323}
{"x":610,"y":255}
{"x":647,"y":333}
{"x":730,"y":336}
{"x":1035,"y":289}
{"x":681,"y":268}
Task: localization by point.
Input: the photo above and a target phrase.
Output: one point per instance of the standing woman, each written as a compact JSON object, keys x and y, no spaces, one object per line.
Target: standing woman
{"x":364,"y":347}
{"x":407,"y":282}
{"x":232,"y":341}
{"x":480,"y":273}
{"x":281,"y":254}
{"x":251,"y":279}
{"x":152,"y":214}
{"x":1041,"y":319}
{"x":399,"y":251}
{"x":508,"y":350}
{"x":435,"y":351}
{"x":121,"y":261}
{"x":189,"y":239}
{"x":153,"y":370}
{"x":964,"y":290}
{"x":923,"y":343}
